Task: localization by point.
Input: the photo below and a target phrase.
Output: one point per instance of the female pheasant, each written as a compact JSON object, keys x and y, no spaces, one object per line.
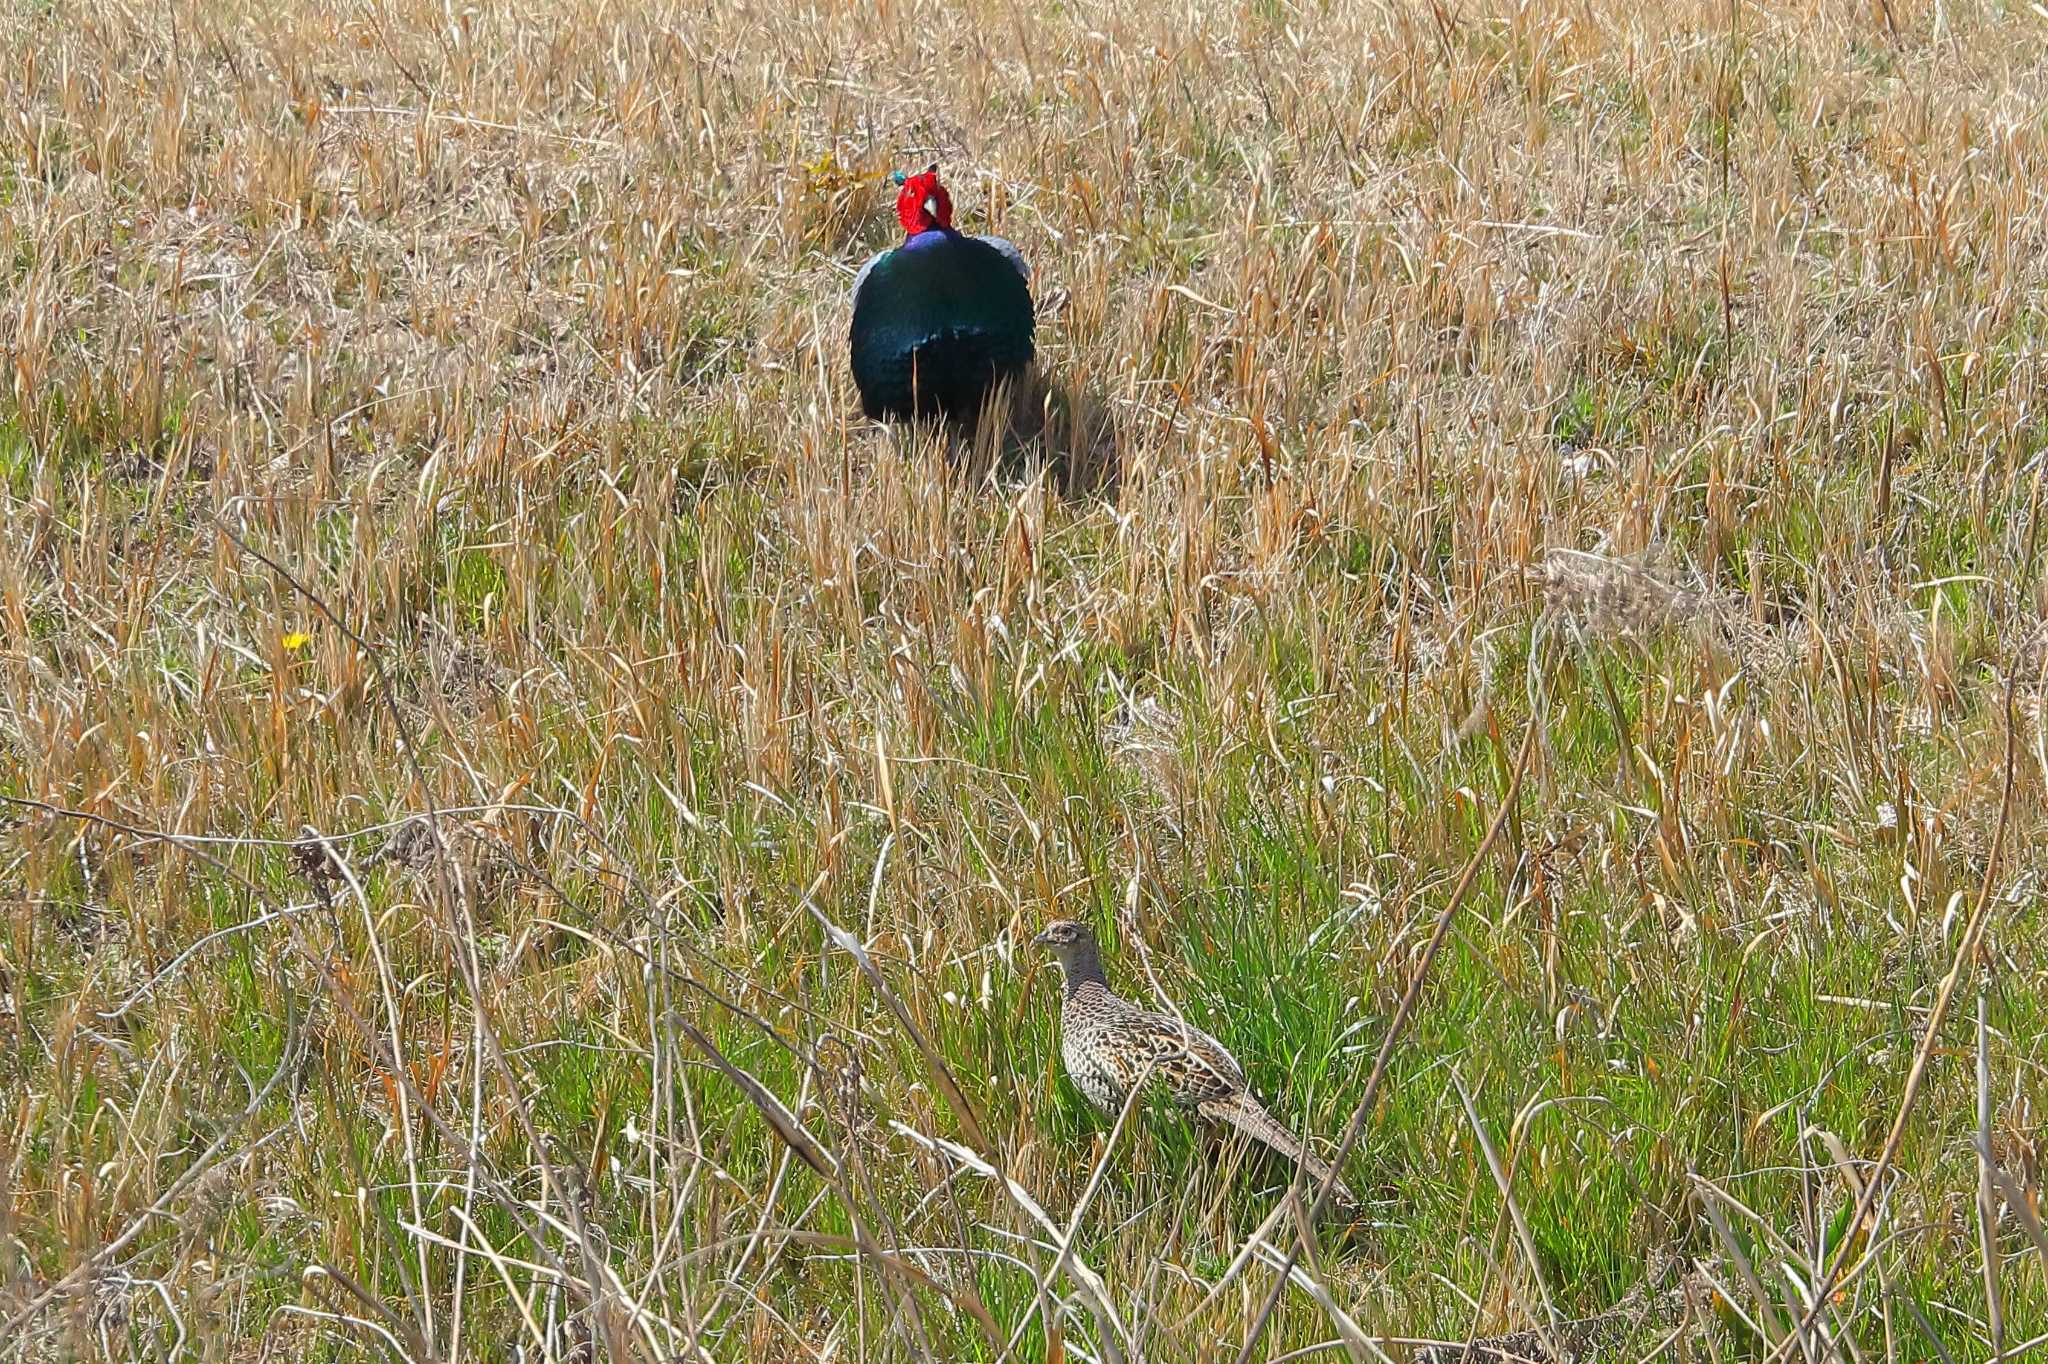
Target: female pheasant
{"x":1109,"y":1044}
{"x":941,"y":319}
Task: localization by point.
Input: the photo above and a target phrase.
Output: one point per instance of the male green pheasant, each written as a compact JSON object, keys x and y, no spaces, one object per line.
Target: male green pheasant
{"x":939,"y":321}
{"x":1109,"y":1045}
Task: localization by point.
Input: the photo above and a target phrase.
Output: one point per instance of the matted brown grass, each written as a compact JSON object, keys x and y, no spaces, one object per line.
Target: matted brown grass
{"x":470,"y":676}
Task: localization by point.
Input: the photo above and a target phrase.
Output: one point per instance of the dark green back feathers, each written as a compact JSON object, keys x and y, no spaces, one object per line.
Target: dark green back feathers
{"x":937,"y":323}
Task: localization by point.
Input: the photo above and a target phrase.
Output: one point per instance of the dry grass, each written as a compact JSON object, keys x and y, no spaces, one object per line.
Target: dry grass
{"x":426,"y":432}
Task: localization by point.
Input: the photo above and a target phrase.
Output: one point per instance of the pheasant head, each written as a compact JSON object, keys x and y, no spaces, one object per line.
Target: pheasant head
{"x":922,"y":203}
{"x":1073,"y":946}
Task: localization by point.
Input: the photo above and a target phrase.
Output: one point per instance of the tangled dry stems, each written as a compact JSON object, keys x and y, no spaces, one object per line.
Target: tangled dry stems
{"x":1375,"y":337}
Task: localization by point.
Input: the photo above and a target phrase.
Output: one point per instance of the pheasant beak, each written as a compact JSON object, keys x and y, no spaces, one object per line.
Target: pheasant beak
{"x":1040,"y":940}
{"x":931,"y":206}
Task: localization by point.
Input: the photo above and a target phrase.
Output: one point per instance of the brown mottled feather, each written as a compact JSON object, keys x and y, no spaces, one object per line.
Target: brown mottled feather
{"x":1110,"y":1046}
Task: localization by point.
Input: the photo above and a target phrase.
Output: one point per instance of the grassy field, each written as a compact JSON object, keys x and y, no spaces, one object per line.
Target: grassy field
{"x":522,"y":815}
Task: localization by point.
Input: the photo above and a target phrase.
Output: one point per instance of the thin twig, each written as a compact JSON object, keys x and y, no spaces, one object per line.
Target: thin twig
{"x":287,"y":1061}
{"x":1402,"y":1013}
{"x":469,"y":122}
{"x":1523,"y":1237}
{"x":1966,"y":952}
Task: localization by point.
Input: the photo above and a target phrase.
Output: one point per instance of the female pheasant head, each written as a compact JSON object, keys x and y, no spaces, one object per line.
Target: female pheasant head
{"x":1073,"y":946}
{"x":922,"y":203}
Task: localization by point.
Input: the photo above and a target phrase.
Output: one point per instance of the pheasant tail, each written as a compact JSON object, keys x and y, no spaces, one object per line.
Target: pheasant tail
{"x":1243,"y":1112}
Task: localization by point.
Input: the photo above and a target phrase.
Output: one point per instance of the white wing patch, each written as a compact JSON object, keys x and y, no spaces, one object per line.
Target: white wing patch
{"x":862,"y":277}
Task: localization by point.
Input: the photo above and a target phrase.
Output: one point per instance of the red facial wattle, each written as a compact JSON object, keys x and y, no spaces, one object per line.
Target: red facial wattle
{"x":923,"y":204}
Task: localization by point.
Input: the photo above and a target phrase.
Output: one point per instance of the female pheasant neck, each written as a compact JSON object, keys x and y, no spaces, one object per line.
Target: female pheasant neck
{"x":1081,"y":965}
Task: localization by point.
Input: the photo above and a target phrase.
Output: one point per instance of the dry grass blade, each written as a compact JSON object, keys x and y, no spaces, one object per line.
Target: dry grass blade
{"x":899,"y":1264}
{"x":2022,"y":1206}
{"x":435,"y":420}
{"x":475,"y":1243}
{"x":1081,"y":1205}
{"x":1353,"y":1340}
{"x":783,"y":1123}
{"x":456,"y":891}
{"x":1965,"y":957}
{"x":1399,"y":1022}
{"x":942,"y":1073}
{"x":16,"y":1325}
{"x":397,"y":1327}
{"x":1092,"y":1288}
{"x":1524,"y":1240}
{"x":793,"y":1135}
{"x":1246,"y":1253}
{"x":1763,"y":1321}
{"x":1987,"y":1199}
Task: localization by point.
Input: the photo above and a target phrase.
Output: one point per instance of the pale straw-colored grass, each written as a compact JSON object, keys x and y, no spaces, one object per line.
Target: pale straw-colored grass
{"x":460,"y":648}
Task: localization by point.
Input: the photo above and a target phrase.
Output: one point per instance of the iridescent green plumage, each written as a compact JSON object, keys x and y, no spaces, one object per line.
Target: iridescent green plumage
{"x":937,"y":323}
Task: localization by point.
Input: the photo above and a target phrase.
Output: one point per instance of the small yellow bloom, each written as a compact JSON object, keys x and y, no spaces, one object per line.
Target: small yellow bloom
{"x":297,"y":640}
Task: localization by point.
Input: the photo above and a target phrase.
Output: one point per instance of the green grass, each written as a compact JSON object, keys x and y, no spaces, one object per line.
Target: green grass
{"x":1446,"y":390}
